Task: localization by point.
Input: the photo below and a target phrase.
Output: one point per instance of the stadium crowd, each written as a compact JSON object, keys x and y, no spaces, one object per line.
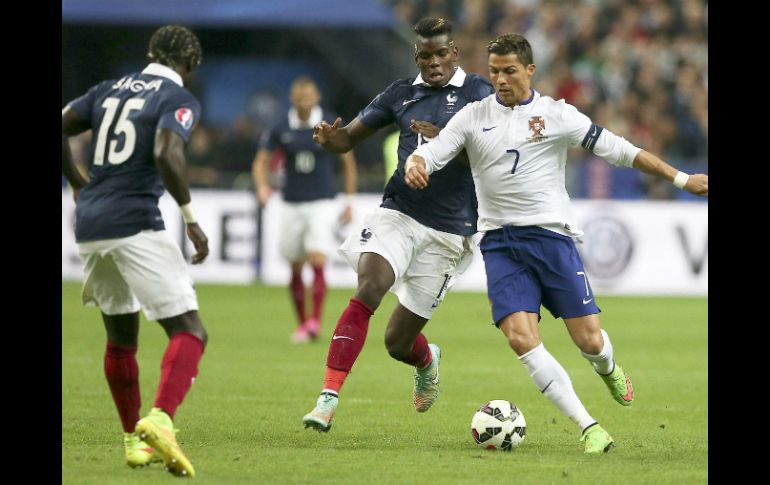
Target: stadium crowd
{"x":640,"y":66}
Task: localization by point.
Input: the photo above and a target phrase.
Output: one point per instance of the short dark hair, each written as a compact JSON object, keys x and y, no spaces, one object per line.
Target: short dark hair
{"x":512,"y":44}
{"x":175,"y":45}
{"x":433,"y":26}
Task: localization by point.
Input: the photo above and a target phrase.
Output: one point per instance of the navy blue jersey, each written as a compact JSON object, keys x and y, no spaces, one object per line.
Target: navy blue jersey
{"x":121,"y":197}
{"x":309,"y":168}
{"x":449,"y":202}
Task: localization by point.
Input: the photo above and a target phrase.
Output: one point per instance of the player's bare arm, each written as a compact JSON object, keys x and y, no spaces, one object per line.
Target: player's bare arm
{"x":350,"y":172}
{"x":169,"y":158}
{"x":648,"y":163}
{"x":424,"y":128}
{"x":416,"y":176}
{"x":71,"y":124}
{"x":259,"y":174}
{"x":340,"y":139}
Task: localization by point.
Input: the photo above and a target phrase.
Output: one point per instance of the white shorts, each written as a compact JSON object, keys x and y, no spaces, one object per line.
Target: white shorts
{"x":308,"y":227}
{"x":426,"y":262}
{"x":145,"y":269}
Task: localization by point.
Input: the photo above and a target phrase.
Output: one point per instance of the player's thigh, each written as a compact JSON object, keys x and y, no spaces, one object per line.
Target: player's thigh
{"x":293,"y":228}
{"x":153,"y":266}
{"x":322,"y":216}
{"x":431,"y":272}
{"x":566,"y":290}
{"x":511,"y":286}
{"x":103,"y":284}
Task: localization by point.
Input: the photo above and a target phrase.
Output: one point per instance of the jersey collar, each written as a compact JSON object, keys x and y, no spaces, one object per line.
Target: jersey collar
{"x":458,"y":78}
{"x":155,"y":69}
{"x":316,"y":114}
{"x":523,"y":106}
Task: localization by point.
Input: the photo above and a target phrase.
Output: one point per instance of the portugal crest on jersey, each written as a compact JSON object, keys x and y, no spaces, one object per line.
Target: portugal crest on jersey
{"x":536,"y":125}
{"x":184,"y":117}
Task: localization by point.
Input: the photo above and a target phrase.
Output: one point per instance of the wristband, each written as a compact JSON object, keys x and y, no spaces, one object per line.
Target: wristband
{"x":187,"y":213}
{"x":681,"y":179}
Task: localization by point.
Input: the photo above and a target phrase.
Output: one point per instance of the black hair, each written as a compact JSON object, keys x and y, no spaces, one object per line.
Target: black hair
{"x":174,"y":45}
{"x":433,"y":26}
{"x":512,"y":44}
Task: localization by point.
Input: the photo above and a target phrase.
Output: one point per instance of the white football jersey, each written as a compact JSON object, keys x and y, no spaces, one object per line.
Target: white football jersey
{"x":518,"y":157}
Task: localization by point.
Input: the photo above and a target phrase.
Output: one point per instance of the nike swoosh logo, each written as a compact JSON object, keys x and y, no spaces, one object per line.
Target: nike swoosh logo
{"x":407,"y":102}
{"x":487,"y":129}
{"x":630,"y":394}
{"x":546,"y":387}
{"x":335,"y":337}
{"x":586,"y":302}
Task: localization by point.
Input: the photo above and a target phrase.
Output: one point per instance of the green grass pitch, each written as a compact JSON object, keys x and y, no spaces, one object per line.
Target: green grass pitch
{"x":241,"y":421}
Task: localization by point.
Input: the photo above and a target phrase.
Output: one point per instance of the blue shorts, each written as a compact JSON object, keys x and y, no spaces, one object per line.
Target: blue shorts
{"x":529,"y":266}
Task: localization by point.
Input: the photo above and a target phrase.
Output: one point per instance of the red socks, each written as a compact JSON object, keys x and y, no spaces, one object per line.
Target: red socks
{"x":123,"y":377}
{"x":178,"y":370}
{"x":298,"y":295}
{"x":319,"y":291}
{"x":347,"y":342}
{"x":420,"y":356}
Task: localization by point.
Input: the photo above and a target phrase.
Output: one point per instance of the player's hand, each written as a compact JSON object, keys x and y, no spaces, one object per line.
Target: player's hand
{"x":323,"y":131}
{"x":698,"y":184}
{"x":263,"y":194}
{"x":416,"y":176}
{"x":424,"y":128}
{"x":200,"y":242}
{"x":347,"y":215}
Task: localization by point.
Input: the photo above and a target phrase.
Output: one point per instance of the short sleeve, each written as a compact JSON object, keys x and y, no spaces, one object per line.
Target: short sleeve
{"x":180,"y":116}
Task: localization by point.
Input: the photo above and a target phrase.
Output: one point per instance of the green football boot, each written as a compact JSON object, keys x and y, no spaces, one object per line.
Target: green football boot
{"x":597,"y":440}
{"x":619,"y":385}
{"x":426,"y":382}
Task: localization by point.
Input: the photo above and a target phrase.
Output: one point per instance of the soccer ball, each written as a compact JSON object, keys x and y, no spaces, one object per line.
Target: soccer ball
{"x":498,"y":425}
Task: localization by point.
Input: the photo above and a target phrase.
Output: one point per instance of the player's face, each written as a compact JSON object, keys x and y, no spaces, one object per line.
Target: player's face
{"x":510,"y":78}
{"x":436,"y":58}
{"x":305,"y":96}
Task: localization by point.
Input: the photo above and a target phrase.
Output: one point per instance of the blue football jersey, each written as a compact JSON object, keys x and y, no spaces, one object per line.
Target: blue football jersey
{"x":449,"y":202}
{"x":121,"y":197}
{"x":309,"y":168}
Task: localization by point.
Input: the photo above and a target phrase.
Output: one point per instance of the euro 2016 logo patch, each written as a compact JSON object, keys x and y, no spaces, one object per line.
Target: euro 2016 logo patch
{"x":184,"y":117}
{"x":536,"y":125}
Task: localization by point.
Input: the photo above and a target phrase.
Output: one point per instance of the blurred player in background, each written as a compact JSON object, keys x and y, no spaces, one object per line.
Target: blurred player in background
{"x":415,"y":243}
{"x":310,"y":213}
{"x":517,"y":143}
{"x":141,"y":124}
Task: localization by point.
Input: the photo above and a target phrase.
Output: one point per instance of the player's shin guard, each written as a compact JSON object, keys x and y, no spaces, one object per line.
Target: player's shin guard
{"x":178,"y":370}
{"x":122,"y":374}
{"x":348,"y":339}
{"x":603,"y":361}
{"x":297,"y":288}
{"x":552,"y":380}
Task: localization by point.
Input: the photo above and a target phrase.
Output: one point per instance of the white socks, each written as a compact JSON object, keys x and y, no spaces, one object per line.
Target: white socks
{"x":603,"y":362}
{"x":552,"y":380}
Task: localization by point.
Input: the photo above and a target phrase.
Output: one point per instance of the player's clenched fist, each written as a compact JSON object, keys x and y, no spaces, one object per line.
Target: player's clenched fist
{"x":416,"y":176}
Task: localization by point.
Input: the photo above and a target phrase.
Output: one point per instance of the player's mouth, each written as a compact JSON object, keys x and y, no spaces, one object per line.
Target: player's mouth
{"x":435,"y":76}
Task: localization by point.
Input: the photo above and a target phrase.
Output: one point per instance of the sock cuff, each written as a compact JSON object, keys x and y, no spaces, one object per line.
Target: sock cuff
{"x":329,"y":392}
{"x":607,"y":344}
{"x":115,"y":350}
{"x":190,"y":337}
{"x":361,"y":305}
{"x":527,"y":354}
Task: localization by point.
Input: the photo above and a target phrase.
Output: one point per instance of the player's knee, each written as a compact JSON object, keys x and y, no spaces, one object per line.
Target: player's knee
{"x":371,"y":291}
{"x":591,"y":342}
{"x":396,"y":348}
{"x":522,"y":342}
